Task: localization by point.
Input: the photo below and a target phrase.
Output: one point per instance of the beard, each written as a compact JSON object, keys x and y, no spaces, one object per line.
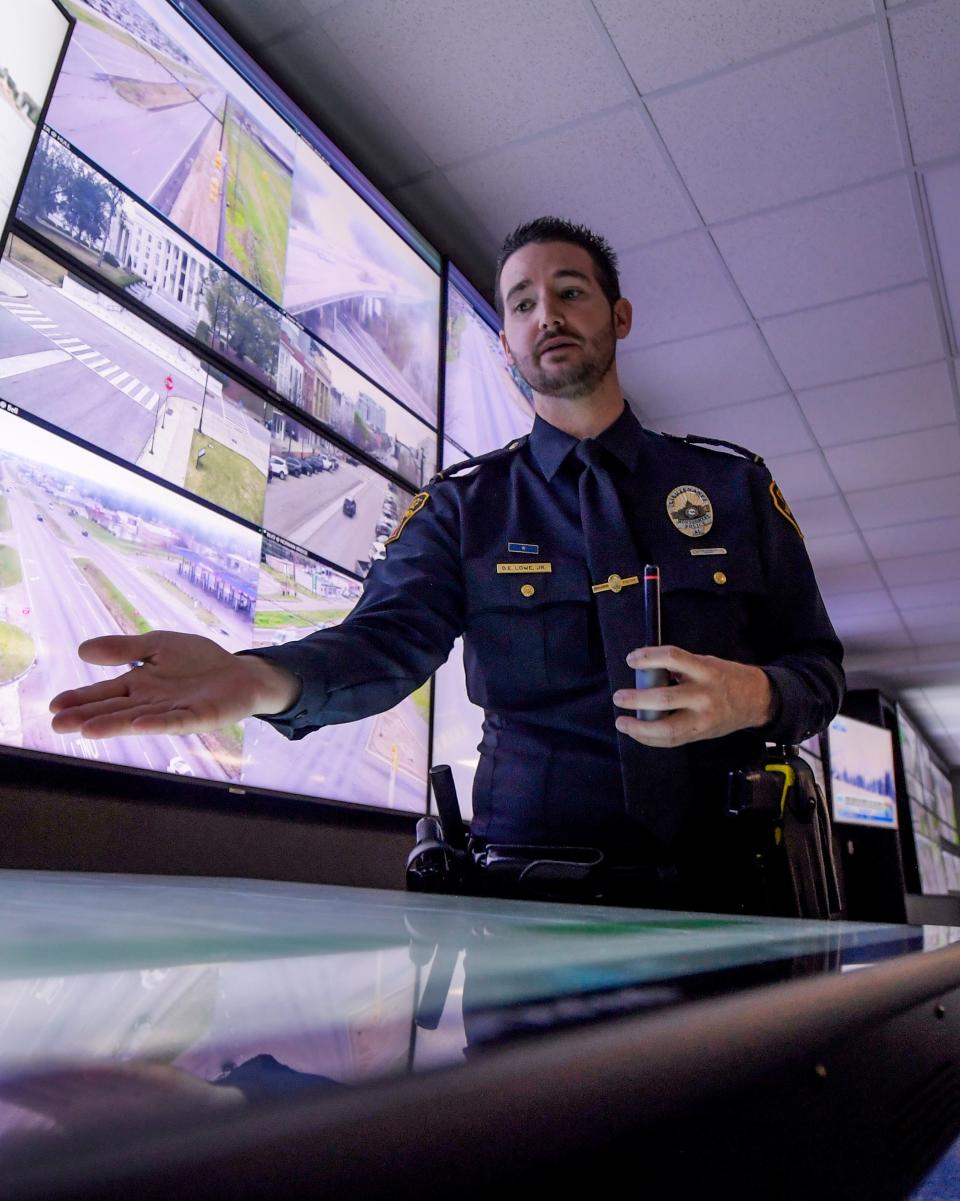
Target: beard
{"x":573,"y":380}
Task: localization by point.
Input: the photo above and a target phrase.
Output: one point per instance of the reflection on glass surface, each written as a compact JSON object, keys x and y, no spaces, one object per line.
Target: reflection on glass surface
{"x":31,"y":37}
{"x":457,"y":727}
{"x":380,"y":760}
{"x":89,"y":548}
{"x":206,"y":993}
{"x":144,"y":96}
{"x":358,"y":286}
{"x":486,"y":404}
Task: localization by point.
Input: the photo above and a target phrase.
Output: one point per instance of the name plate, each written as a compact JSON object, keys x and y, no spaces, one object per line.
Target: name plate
{"x":524,"y":568}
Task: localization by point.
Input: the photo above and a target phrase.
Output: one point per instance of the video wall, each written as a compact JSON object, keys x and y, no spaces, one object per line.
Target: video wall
{"x":219,"y":357}
{"x":932,"y":811}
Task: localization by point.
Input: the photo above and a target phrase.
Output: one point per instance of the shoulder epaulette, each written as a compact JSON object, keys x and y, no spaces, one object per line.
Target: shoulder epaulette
{"x":477,"y":459}
{"x":695,"y":440}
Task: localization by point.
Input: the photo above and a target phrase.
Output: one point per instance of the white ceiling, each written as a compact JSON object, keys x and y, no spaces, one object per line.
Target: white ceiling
{"x":767,"y":170}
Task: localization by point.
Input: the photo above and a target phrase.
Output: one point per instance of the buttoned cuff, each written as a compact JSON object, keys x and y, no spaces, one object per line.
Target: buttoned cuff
{"x":791,"y":706}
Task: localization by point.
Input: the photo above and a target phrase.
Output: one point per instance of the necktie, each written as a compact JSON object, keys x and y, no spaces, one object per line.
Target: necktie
{"x":655,"y":781}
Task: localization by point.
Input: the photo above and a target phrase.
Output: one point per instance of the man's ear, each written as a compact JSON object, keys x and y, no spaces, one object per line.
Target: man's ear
{"x":622,"y":317}
{"x":506,"y":349}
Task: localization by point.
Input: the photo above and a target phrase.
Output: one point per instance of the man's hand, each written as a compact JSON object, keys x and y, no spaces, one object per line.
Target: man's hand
{"x":711,"y":697}
{"x":186,"y":685}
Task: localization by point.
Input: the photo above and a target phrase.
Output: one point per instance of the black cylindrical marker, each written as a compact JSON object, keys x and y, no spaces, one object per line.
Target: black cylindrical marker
{"x":651,"y":677}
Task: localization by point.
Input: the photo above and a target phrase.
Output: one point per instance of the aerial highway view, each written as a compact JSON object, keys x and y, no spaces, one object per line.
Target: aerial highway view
{"x":74,"y":357}
{"x":383,"y":756}
{"x":478,"y":382}
{"x":88,"y":548}
{"x":335,"y":512}
{"x":144,"y":97}
{"x":355,"y":283}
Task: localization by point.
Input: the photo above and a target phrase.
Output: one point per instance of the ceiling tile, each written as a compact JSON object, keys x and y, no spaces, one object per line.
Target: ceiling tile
{"x":926,"y":44}
{"x":935,"y":616}
{"x":834,"y":550}
{"x":914,"y":398}
{"x":254,"y":25}
{"x":840,"y":606}
{"x":802,"y":476}
{"x":923,"y":596}
{"x":823,"y":515}
{"x":344,"y":106}
{"x":850,"y":577}
{"x":899,"y":459}
{"x":678,"y":289}
{"x":878,"y":507}
{"x":768,"y":427}
{"x":856,"y":337}
{"x":840,"y":245}
{"x":941,"y":188}
{"x":663,"y":44}
{"x":471,"y":77}
{"x":806,"y":121}
{"x":922,"y":569}
{"x":433,"y":204}
{"x":872,"y":631}
{"x":634,"y":199}
{"x":705,"y":372}
{"x":916,"y":538}
{"x":947,"y":631}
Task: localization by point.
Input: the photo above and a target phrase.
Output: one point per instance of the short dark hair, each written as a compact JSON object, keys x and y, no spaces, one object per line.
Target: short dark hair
{"x":555,"y":229}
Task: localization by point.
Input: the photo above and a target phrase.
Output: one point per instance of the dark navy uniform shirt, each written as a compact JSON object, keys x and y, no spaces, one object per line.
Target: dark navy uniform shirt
{"x":549,"y":768}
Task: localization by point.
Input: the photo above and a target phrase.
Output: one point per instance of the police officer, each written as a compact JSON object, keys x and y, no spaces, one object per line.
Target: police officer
{"x":535,"y":555}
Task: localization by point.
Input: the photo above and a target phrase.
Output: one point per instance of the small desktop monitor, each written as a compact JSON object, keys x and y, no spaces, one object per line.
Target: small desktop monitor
{"x":861,"y":774}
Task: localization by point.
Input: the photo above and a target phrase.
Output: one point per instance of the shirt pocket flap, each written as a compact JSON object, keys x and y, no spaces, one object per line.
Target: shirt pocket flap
{"x":525,"y":585}
{"x":719,"y":574}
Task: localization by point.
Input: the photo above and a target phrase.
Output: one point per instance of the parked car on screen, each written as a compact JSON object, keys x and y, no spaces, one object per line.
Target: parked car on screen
{"x":349,"y":506}
{"x":293,"y":465}
{"x":377,"y":551}
{"x":278,"y":468}
{"x":317,"y":463}
{"x":180,"y":767}
{"x":384,"y":529}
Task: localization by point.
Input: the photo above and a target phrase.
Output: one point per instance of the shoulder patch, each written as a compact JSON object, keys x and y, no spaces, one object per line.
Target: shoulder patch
{"x":489,"y":457}
{"x":414,"y":507}
{"x":696,"y":440}
{"x":780,"y":504}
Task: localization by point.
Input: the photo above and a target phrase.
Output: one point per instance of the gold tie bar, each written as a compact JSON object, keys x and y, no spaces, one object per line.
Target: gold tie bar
{"x":615,"y":583}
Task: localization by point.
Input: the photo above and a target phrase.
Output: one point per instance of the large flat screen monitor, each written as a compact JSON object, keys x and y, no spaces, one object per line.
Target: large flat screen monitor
{"x":89,"y":547}
{"x":861,"y":774}
{"x":32,"y":37}
{"x":177,"y":137}
{"x":486,"y":403}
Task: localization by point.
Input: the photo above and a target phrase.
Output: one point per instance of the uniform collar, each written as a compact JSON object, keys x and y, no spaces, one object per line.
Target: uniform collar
{"x":551,"y":446}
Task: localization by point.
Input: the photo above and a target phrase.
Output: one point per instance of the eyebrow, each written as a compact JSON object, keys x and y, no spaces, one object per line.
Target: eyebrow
{"x":571,"y":271}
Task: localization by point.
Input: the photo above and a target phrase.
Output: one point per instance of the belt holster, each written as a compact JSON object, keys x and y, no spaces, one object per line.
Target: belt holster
{"x":780,"y":838}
